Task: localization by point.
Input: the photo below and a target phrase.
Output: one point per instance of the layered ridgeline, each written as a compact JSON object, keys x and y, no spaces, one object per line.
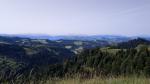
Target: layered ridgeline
{"x":21,"y":55}
{"x":24,"y":58}
{"x":18,"y":56}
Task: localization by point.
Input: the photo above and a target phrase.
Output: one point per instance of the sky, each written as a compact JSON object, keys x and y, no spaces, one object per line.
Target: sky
{"x":66,"y":17}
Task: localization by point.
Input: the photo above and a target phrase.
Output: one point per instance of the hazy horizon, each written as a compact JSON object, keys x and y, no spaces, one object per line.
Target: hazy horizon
{"x":75,"y":17}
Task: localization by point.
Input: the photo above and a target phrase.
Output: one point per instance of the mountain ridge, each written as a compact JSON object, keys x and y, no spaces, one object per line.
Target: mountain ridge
{"x":71,"y":37}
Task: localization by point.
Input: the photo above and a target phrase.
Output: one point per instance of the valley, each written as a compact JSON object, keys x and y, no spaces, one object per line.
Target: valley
{"x":29,"y":59}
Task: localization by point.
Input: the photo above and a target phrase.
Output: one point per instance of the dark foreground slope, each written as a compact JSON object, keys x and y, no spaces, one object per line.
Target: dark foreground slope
{"x":21,"y":55}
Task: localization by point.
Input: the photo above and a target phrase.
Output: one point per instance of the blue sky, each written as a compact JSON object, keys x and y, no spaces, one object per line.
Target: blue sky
{"x":63,"y":17}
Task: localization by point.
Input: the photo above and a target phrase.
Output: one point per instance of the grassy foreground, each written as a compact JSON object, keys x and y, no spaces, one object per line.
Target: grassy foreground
{"x":77,"y":80}
{"x":97,"y":80}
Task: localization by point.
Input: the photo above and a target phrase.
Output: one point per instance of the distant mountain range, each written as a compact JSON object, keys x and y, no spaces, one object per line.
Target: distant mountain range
{"x":70,"y":44}
{"x":112,"y":38}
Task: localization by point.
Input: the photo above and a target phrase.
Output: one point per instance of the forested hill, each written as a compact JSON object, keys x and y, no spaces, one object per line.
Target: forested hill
{"x":127,"y":58}
{"x":133,"y":43}
{"x":105,"y":63}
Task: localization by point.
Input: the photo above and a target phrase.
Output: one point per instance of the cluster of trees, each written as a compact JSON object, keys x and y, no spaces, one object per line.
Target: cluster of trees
{"x":124,"y":62}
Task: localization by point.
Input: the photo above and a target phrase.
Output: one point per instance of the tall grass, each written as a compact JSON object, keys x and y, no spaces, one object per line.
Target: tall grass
{"x":98,"y":80}
{"x":78,"y":80}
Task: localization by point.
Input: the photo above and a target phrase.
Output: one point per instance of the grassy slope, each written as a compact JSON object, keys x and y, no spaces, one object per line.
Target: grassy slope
{"x":120,"y":80}
{"x":95,"y":80}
